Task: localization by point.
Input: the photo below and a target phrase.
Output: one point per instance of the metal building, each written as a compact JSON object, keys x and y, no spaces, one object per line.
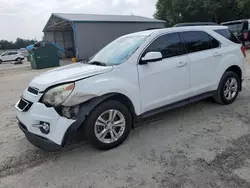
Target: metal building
{"x":82,"y":35}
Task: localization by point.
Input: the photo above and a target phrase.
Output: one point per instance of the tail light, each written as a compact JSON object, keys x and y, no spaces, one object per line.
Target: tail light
{"x":245,"y":35}
{"x":243,"y":50}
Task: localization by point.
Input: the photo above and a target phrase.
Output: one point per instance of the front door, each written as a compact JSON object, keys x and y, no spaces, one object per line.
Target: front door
{"x":5,"y":57}
{"x":166,"y":81}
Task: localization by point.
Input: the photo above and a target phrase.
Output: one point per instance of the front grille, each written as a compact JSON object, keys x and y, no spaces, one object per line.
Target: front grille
{"x":33,"y":90}
{"x":24,"y":105}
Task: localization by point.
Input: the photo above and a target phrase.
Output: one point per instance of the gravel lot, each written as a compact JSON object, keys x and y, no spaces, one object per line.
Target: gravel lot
{"x":200,"y":145}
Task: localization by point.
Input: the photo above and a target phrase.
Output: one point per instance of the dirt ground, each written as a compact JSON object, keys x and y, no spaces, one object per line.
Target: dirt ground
{"x":201,"y":145}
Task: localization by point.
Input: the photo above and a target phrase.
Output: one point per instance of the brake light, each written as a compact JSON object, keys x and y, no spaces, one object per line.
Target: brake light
{"x":245,"y":35}
{"x":243,"y":49}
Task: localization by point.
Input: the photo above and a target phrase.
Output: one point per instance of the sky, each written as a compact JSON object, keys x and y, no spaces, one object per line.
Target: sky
{"x":26,"y":18}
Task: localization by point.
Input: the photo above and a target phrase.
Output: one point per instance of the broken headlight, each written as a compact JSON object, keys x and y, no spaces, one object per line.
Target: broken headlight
{"x":58,"y":94}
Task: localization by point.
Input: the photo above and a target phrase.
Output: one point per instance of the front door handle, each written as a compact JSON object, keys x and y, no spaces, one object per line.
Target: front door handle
{"x":181,"y":64}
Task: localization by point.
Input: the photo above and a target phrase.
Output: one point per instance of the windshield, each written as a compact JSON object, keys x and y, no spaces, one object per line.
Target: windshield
{"x":118,"y":51}
{"x":235,"y":27}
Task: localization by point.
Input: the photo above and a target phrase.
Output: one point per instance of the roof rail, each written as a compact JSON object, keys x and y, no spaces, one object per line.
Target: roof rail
{"x":195,"y":24}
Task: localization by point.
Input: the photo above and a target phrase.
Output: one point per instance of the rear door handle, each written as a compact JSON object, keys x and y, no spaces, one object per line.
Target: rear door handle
{"x":216,"y":54}
{"x":181,"y":64}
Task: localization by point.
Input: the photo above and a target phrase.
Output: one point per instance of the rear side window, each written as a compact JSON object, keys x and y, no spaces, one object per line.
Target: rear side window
{"x":198,"y":41}
{"x":228,"y":34}
{"x":214,"y":42}
{"x":169,"y":45}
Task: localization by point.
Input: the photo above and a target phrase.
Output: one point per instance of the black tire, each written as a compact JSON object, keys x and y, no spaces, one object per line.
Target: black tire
{"x":1,"y":61}
{"x":89,"y":126}
{"x":19,"y":60}
{"x":219,"y":96}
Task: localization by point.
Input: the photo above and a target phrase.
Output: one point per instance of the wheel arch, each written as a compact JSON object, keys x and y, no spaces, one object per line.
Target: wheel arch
{"x":90,"y":105}
{"x":237,"y":70}
{"x":125,"y":101}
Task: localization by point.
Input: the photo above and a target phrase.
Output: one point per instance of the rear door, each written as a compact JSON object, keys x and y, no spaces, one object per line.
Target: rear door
{"x":203,"y":57}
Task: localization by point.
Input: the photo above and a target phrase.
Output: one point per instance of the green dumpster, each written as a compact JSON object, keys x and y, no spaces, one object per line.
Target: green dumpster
{"x":44,"y":56}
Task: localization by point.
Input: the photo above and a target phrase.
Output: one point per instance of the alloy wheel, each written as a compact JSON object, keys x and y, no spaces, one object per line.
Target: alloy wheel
{"x":230,"y":88}
{"x":110,"y":126}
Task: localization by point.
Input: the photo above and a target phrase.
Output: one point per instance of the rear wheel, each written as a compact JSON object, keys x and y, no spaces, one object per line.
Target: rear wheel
{"x":108,"y":125}
{"x":228,"y":89}
{"x":1,"y":61}
{"x":19,"y":60}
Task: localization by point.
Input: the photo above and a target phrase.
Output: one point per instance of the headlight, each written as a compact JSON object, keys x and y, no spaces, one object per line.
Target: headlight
{"x":57,"y":95}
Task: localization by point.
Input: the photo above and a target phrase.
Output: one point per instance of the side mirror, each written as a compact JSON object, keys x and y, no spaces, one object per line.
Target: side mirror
{"x":151,"y":57}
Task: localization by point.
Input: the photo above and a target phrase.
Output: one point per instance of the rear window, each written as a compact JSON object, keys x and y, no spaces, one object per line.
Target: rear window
{"x":228,"y":34}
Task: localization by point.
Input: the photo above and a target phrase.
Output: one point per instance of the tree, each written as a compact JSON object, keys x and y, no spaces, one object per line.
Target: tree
{"x":167,"y":10}
{"x":244,"y":6}
{"x":19,"y":43}
{"x":175,"y":11}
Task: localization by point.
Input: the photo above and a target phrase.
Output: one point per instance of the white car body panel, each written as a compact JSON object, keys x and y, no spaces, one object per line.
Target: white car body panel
{"x":67,"y":73}
{"x":159,"y":77}
{"x":202,"y":81}
{"x":148,"y":86}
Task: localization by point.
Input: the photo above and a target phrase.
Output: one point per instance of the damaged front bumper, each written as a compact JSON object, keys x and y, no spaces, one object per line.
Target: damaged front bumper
{"x":39,"y":141}
{"x":32,"y":120}
{"x":33,"y":116}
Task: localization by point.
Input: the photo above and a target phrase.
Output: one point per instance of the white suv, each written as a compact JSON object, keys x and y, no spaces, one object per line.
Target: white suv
{"x":133,"y":77}
{"x":11,"y":56}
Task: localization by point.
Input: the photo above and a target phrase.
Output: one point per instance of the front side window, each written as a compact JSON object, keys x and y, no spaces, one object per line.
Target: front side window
{"x":169,"y":45}
{"x":118,"y":51}
{"x":197,"y":41}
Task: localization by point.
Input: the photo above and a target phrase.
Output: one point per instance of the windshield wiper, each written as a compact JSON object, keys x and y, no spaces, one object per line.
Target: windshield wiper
{"x":97,"y":63}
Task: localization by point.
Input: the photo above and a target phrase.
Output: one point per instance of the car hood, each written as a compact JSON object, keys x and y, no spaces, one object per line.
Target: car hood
{"x":67,"y":73}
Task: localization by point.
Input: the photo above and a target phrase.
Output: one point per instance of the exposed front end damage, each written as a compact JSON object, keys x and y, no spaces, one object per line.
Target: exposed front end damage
{"x":48,"y":127}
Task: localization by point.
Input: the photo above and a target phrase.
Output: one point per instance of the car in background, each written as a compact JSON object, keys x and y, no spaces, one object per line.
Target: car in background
{"x":195,"y":24}
{"x":240,"y":28}
{"x":11,"y":56}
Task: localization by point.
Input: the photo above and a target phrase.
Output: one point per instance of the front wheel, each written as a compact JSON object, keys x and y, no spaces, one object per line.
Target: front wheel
{"x":228,"y":89}
{"x":1,"y":61}
{"x":108,"y":125}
